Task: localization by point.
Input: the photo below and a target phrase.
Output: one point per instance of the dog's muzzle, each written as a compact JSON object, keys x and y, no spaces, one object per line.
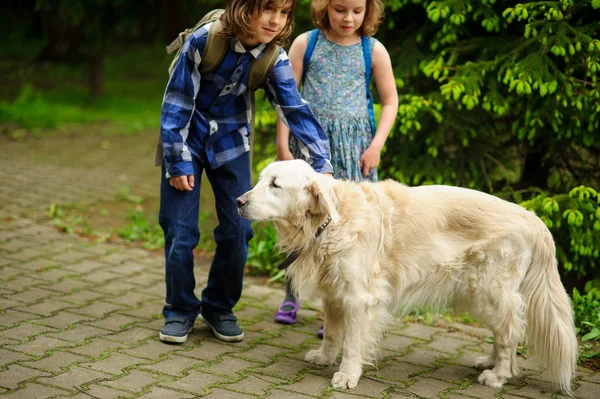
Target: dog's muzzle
{"x":241,"y":202}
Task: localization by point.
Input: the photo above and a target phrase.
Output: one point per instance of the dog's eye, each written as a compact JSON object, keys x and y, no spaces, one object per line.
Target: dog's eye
{"x":274,"y":184}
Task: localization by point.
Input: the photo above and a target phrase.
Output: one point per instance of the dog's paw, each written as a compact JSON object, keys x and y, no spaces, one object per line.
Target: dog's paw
{"x":344,"y":381}
{"x":484,"y":362}
{"x":317,"y":356}
{"x":491,"y":379}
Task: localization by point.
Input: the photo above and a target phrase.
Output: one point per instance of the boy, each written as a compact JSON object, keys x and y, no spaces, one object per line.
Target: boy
{"x":205,"y":128}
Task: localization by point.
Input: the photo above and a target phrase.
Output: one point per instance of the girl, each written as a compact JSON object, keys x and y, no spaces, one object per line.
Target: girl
{"x":204,"y":128}
{"x":333,"y":82}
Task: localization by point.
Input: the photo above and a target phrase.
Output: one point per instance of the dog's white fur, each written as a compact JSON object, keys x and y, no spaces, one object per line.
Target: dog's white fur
{"x":390,"y":248}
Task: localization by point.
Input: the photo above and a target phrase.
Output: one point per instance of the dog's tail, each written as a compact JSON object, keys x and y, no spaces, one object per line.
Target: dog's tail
{"x":550,"y":327}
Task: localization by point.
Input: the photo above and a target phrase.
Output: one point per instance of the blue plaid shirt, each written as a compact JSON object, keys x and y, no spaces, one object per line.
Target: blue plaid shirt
{"x":211,"y":113}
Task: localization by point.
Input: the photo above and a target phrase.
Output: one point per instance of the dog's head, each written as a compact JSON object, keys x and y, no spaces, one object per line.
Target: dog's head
{"x":289,"y":190}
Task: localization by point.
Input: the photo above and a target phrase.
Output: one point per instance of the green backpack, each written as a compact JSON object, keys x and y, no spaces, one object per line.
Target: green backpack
{"x":215,"y":49}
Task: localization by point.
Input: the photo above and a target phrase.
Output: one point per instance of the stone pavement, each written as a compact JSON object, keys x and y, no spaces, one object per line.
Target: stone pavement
{"x":80,"y":320}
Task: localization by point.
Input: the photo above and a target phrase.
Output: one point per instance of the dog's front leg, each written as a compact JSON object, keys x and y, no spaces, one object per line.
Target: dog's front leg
{"x":333,"y":332}
{"x":356,"y":319}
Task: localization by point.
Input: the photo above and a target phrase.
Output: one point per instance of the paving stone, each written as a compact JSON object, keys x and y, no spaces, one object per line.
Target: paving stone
{"x":36,"y":265}
{"x":99,"y":277}
{"x":262,"y":353}
{"x":133,"y":335}
{"x":195,"y":382}
{"x":175,"y":365}
{"x":62,"y":320}
{"x":9,"y":272}
{"x":136,"y":381}
{"x":46,"y":307}
{"x":56,"y":362}
{"x":114,"y":322}
{"x":16,"y":374}
{"x":452,"y":373}
{"x":292,"y":340}
{"x":420,"y":331}
{"x":102,"y":392}
{"x":68,"y":285}
{"x":81,"y":333}
{"x":97,"y":309}
{"x":81,"y":297}
{"x":20,"y":284}
{"x":97,"y":348}
{"x":282,"y":394}
{"x":6,"y":303}
{"x":40,"y":345}
{"x":114,"y":363}
{"x":52,"y":275}
{"x":252,"y":384}
{"x":25,"y":331}
{"x":423,"y":356}
{"x":217,"y":393}
{"x":396,"y":342}
{"x":75,"y":376}
{"x":429,"y":388}
{"x":161,"y":393}
{"x":11,"y":317}
{"x":309,"y":384}
{"x":32,"y":295}
{"x":69,"y":257}
{"x":7,"y":356}
{"x":131,"y":299}
{"x":230,"y":367}
{"x":285,"y":368}
{"x":398,"y":371}
{"x":447,"y":344}
{"x":37,"y":391}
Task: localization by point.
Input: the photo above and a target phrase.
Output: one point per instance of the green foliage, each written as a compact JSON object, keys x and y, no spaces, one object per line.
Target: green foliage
{"x":488,"y":84}
{"x":587,"y":312}
{"x":574,"y":220}
{"x":263,"y":255}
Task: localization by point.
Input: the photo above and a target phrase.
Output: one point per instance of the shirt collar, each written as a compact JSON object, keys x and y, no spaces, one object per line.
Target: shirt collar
{"x":238,"y":47}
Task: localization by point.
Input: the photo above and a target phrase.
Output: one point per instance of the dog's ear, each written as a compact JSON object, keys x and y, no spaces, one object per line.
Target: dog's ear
{"x":321,"y":189}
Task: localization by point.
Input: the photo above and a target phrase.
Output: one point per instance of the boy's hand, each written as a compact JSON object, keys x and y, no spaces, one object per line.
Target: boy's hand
{"x":182,"y":183}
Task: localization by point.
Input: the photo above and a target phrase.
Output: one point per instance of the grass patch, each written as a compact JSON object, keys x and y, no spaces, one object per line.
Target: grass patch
{"x":41,"y":96}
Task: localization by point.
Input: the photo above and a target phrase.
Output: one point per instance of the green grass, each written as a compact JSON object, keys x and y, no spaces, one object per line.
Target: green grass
{"x":52,"y":96}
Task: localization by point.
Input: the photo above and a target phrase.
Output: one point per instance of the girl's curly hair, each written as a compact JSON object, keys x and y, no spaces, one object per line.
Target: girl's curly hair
{"x":373,"y":16}
{"x":238,"y":13}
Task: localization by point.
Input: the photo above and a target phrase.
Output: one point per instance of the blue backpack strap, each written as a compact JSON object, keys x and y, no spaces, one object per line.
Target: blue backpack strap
{"x":313,"y":35}
{"x":366,"y":49}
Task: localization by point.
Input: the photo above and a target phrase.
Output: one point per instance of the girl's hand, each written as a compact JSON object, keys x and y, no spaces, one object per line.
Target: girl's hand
{"x":284,"y":154}
{"x":369,"y":160}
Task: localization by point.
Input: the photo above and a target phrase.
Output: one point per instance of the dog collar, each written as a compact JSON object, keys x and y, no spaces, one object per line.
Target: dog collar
{"x":291,"y":258}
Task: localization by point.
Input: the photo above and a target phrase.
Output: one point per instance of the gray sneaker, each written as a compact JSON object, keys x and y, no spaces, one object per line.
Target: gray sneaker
{"x":223,"y":325}
{"x":176,"y":330}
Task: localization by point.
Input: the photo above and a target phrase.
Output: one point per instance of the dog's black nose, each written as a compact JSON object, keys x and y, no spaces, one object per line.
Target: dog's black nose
{"x":241,"y":201}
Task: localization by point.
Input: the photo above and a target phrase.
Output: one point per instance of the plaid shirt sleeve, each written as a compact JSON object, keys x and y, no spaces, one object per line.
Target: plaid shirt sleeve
{"x":178,"y":106}
{"x":296,"y":114}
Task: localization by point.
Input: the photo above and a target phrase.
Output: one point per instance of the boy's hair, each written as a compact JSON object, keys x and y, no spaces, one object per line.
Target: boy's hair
{"x":238,"y":13}
{"x":373,"y":16}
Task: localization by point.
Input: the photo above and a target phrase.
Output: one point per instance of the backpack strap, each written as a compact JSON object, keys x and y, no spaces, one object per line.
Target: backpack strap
{"x":366,"y":50}
{"x":214,"y":50}
{"x":261,"y":67}
{"x":313,"y":36}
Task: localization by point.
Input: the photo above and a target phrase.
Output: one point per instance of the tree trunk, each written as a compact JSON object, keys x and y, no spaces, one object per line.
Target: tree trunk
{"x":96,"y":74}
{"x":535,"y":172}
{"x":172,"y":20}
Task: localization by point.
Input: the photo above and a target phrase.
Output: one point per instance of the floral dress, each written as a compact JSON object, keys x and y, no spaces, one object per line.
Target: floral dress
{"x":334,"y":87}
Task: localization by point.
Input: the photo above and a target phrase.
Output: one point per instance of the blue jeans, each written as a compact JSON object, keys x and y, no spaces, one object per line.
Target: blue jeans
{"x":178,"y":217}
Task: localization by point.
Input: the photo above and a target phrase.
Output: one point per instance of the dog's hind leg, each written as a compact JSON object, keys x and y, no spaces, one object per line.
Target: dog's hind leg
{"x":505,"y":315}
{"x":333,"y":333}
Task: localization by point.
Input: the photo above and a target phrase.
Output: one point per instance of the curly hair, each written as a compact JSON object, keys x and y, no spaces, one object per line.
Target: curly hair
{"x":238,"y":13}
{"x":373,"y":16}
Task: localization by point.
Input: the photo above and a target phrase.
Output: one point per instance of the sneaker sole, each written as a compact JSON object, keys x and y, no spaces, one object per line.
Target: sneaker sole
{"x":174,"y":339}
{"x":226,"y":338}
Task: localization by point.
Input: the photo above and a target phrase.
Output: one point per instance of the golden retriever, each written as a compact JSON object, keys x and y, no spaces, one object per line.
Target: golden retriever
{"x":370,"y":250}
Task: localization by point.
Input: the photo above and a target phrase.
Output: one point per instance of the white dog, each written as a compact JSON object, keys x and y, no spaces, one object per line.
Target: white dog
{"x":371,"y":249}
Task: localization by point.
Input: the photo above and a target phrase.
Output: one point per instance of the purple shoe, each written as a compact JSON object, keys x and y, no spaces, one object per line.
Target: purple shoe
{"x":320,"y":332}
{"x":287,"y":316}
